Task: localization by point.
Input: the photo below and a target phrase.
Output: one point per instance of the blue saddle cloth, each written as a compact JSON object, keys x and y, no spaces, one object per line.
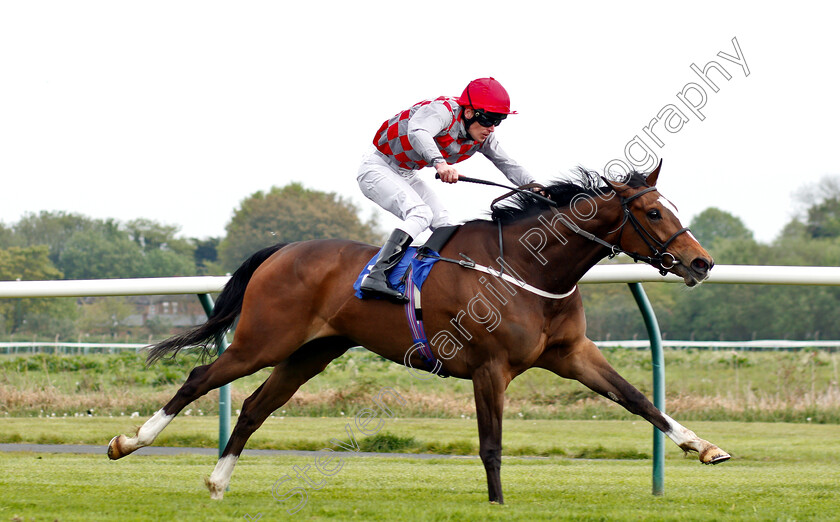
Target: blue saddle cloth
{"x":420,"y":267}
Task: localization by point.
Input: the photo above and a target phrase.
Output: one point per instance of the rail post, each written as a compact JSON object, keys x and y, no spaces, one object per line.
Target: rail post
{"x":224,"y":391}
{"x":658,"y":360}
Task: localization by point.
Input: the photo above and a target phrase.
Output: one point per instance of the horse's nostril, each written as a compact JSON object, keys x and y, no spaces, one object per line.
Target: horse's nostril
{"x":700,"y":265}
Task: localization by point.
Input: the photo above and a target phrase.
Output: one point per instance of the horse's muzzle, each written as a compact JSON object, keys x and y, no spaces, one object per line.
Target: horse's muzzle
{"x":697,"y":270}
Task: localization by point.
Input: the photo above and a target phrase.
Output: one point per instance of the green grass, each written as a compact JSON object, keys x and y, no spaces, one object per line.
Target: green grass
{"x":753,"y":441}
{"x":90,"y":488}
{"x":589,"y":470}
{"x":778,"y":472}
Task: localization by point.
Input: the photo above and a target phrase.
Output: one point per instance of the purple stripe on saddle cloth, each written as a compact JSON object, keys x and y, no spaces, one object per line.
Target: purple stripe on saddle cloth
{"x":418,"y":333}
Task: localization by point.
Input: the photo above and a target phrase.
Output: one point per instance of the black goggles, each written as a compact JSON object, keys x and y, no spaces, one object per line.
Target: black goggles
{"x":488,"y":119}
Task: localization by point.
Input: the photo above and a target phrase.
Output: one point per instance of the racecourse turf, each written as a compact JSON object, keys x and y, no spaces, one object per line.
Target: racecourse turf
{"x":778,"y":472}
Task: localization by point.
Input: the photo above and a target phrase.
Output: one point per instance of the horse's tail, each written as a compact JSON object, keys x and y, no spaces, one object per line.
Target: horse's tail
{"x":208,"y":335}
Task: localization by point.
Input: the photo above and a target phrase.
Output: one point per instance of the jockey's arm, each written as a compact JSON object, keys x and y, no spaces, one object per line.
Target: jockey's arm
{"x":424,"y":125}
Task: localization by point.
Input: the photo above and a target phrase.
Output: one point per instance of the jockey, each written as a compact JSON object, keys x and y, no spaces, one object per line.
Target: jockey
{"x":437,"y":134}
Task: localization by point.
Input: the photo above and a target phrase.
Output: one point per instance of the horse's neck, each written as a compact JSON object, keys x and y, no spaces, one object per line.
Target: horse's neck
{"x":552,"y":254}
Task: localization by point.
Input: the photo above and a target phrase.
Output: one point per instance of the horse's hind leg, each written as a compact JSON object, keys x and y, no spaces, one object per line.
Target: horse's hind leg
{"x":230,"y":366}
{"x":284,"y":381}
{"x":585,"y":363}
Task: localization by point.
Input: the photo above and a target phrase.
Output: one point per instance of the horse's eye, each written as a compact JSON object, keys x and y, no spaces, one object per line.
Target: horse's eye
{"x":654,"y":214}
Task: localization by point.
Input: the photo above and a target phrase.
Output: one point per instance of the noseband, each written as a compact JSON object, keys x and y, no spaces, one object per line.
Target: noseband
{"x":661,"y":258}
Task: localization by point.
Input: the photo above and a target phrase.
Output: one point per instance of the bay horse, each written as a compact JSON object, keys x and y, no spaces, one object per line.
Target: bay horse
{"x":297,"y":312}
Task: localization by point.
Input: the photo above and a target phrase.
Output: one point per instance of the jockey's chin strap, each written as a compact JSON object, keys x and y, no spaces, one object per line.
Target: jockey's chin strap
{"x":661,"y":258}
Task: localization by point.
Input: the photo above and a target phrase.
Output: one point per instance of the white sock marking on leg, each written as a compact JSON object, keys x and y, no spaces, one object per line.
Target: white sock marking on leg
{"x":678,"y":433}
{"x":152,"y":428}
{"x":220,"y":477}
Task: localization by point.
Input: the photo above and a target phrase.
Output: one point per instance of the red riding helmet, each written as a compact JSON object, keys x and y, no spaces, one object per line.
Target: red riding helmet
{"x":487,"y":94}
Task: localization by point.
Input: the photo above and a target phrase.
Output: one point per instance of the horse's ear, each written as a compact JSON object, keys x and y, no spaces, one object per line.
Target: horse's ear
{"x":615,"y":186}
{"x":651,"y":178}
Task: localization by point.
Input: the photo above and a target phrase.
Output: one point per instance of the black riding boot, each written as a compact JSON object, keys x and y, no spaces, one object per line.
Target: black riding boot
{"x":376,"y":282}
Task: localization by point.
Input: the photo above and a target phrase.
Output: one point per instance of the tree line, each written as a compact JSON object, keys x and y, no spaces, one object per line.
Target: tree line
{"x":61,"y":245}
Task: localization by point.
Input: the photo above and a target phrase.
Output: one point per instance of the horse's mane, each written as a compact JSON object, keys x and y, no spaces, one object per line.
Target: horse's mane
{"x":585,"y":182}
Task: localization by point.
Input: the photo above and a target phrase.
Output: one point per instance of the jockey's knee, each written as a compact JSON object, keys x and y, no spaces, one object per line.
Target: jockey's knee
{"x":441,"y":219}
{"x":418,"y":219}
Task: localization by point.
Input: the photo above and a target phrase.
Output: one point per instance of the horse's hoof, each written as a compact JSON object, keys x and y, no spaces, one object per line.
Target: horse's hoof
{"x":115,"y":448}
{"x":216,"y":492}
{"x":714,"y":455}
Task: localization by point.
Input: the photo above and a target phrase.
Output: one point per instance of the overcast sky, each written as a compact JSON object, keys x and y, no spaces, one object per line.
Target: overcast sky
{"x":177,"y":111}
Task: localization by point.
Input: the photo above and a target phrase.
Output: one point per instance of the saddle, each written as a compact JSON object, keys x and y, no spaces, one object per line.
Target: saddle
{"x":419,"y":259}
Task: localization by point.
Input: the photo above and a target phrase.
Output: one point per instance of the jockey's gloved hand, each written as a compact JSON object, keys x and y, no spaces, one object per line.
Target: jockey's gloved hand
{"x":446,"y":172}
{"x":539,"y":190}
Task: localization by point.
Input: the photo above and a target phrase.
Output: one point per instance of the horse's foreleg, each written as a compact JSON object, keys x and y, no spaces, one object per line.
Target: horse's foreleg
{"x":283,"y":382}
{"x":585,"y":363}
{"x":227,"y":368}
{"x":489,"y":384}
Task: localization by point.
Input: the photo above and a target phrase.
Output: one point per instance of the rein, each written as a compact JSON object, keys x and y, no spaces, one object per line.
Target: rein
{"x":659,"y":249}
{"x":661,"y":258}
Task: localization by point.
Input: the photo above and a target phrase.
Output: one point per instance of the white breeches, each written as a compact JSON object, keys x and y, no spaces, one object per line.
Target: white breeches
{"x":402,"y":193}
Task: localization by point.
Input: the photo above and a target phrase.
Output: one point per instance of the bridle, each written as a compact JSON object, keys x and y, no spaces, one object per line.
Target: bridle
{"x":661,"y":258}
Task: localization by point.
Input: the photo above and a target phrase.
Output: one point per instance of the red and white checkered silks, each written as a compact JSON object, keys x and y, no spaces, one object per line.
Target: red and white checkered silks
{"x":392,"y":138}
